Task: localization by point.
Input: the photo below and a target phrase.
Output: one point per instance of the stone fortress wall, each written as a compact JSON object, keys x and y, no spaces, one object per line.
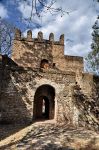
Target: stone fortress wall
{"x":38,"y":73}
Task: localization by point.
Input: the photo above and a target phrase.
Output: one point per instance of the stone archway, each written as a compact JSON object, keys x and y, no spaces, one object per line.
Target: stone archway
{"x":44,"y":105}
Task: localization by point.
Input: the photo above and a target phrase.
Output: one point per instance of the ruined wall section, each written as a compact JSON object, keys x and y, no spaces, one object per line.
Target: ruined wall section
{"x":18,"y":88}
{"x":87,"y":107}
{"x":95,"y":97}
{"x":89,"y":83}
{"x":85,"y":80}
{"x":79,"y":102}
{"x":13,"y":98}
{"x":74,"y":63}
{"x":69,"y":63}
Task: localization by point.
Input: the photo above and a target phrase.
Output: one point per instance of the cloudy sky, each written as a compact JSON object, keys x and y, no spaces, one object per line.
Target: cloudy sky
{"x":77,"y":26}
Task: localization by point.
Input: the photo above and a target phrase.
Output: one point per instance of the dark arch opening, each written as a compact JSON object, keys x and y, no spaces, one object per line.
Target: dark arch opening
{"x":44,"y":105}
{"x":44,"y":64}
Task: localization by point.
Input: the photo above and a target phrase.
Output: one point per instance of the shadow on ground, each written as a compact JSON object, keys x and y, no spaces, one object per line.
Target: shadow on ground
{"x":8,"y":129}
{"x":45,"y":136}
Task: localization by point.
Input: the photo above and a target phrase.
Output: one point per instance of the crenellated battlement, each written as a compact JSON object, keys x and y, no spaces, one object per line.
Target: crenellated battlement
{"x":29,"y":51}
{"x":18,"y":36}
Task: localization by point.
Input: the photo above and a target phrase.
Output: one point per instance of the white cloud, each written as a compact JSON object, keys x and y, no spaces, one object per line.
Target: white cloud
{"x":3,"y":11}
{"x":78,"y":49}
{"x":77,"y":26}
{"x":25,"y":9}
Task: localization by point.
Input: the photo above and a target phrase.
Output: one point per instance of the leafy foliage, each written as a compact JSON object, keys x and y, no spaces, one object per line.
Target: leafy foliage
{"x":93,"y":56}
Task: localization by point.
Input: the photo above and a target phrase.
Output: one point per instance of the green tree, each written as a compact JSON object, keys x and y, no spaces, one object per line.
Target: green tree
{"x":93,"y":56}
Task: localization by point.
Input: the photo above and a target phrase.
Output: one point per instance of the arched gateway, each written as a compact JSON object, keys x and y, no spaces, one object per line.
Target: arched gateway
{"x":44,"y":105}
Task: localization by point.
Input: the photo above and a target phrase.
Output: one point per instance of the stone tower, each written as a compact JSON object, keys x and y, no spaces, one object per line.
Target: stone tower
{"x":30,"y":52}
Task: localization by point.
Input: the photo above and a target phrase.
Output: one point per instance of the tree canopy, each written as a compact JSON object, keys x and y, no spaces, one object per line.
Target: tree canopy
{"x":93,"y":56}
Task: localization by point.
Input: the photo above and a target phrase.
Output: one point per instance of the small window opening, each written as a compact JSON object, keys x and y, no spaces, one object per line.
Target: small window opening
{"x":44,"y":64}
{"x":54,"y":65}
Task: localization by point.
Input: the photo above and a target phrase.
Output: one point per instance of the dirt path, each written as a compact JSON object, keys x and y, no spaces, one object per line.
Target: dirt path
{"x":48,"y":136}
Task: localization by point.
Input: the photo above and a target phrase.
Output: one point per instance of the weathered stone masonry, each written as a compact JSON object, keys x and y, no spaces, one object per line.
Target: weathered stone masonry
{"x":40,"y":82}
